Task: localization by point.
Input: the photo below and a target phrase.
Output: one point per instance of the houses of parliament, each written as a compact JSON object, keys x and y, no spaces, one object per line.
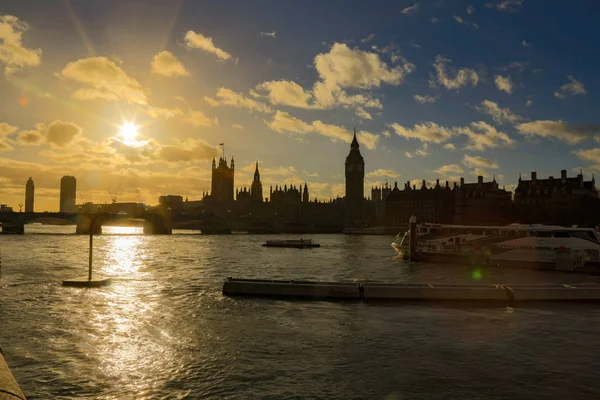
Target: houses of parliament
{"x":564,"y":200}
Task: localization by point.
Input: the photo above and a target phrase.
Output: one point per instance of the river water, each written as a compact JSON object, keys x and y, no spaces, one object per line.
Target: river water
{"x":163,"y":329}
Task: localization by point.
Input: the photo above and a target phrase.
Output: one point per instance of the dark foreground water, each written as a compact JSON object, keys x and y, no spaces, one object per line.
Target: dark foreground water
{"x":163,"y":330}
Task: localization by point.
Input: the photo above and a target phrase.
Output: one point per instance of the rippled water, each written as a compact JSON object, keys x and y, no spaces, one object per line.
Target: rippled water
{"x":164,"y":330}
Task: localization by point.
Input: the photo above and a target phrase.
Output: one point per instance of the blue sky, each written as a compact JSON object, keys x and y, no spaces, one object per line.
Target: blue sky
{"x":436,"y":89}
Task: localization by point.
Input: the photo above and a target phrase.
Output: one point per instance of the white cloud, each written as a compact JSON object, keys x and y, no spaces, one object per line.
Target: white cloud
{"x":271,"y":34}
{"x":524,"y":43}
{"x":369,"y":37}
{"x":197,"y":118}
{"x":435,"y":20}
{"x":528,"y":102}
{"x":558,"y":130}
{"x":237,"y":126}
{"x":386,"y":134}
{"x":362,"y":113}
{"x":500,"y":115}
{"x":463,"y":76}
{"x":470,"y":10}
{"x":287,"y":93}
{"x":589,"y":155}
{"x":410,"y":9}
{"x":195,"y":40}
{"x":449,"y":169}
{"x":574,"y":87}
{"x":230,"y":98}
{"x":479,"y":162}
{"x":58,"y":134}
{"x":106,"y":80}
{"x":506,"y":5}
{"x":449,"y":146}
{"x":13,"y":55}
{"x":504,"y":84}
{"x":166,"y":64}
{"x":483,"y":136}
{"x":422,"y":152}
{"x":424,"y":99}
{"x":460,"y":20}
{"x":426,"y":132}
{"x":383,"y":172}
{"x":284,"y":122}
{"x":6,"y":129}
{"x":166,"y":113}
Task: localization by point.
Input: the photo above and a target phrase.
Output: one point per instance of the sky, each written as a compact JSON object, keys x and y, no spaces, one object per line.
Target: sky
{"x":435,"y":90}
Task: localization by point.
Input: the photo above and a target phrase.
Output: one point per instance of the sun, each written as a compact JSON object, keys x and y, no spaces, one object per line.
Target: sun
{"x":128,"y":132}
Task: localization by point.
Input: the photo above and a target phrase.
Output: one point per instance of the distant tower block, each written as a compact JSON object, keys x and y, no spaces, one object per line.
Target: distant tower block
{"x":29,"y":195}
{"x":68,"y":193}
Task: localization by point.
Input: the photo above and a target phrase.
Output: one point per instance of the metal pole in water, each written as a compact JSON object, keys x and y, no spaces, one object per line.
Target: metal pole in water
{"x":91,"y":250}
{"x":412,"y":239}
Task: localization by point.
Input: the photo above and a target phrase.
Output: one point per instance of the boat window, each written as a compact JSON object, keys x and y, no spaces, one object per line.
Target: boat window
{"x":562,"y":234}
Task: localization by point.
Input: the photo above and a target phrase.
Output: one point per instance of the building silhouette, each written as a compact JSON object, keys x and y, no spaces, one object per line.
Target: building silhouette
{"x":561,"y":200}
{"x":355,"y":184}
{"x":68,"y":194}
{"x":256,"y":191}
{"x":378,"y":197}
{"x":482,"y":203}
{"x":222,"y":181}
{"x":29,"y":195}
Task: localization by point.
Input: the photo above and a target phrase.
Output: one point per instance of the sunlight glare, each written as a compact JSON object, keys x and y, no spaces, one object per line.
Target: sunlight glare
{"x":129,"y":132}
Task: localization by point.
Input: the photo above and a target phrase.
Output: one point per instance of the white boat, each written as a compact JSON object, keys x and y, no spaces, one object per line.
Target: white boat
{"x":528,"y":246}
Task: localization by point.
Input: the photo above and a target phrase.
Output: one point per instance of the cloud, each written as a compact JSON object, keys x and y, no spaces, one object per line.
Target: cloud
{"x":237,"y":126}
{"x":410,"y":9}
{"x":13,"y":55}
{"x":345,"y":67}
{"x":284,"y":122}
{"x":424,"y":99}
{"x":483,"y":136}
{"x":362,"y":113}
{"x":188,"y":150}
{"x":383,"y":172}
{"x":505,"y":5}
{"x":470,"y":10}
{"x":426,"y":132}
{"x":30,"y":138}
{"x":422,"y":152}
{"x":528,"y":102}
{"x":197,"y":118}
{"x":106,"y":80}
{"x":589,"y":155}
{"x":460,"y":20}
{"x":479,"y":162}
{"x":5,"y":146}
{"x":271,"y":34}
{"x":6,"y":129}
{"x":166,"y":64}
{"x":449,"y":146}
{"x":503,"y":84}
{"x":574,"y":87}
{"x":195,"y":40}
{"x":558,"y":130}
{"x":166,"y":113}
{"x":286,"y":93}
{"x":230,"y":98}
{"x":386,"y":134}
{"x":500,"y":115}
{"x":435,"y":20}
{"x":369,"y":37}
{"x":449,"y":169}
{"x":524,"y":43}
{"x":463,"y":76}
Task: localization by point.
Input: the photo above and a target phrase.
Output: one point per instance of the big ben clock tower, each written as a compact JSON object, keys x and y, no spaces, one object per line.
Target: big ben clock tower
{"x":355,"y":184}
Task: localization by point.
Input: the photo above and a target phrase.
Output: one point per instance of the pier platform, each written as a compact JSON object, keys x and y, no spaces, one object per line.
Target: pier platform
{"x":9,"y":388}
{"x":373,"y":291}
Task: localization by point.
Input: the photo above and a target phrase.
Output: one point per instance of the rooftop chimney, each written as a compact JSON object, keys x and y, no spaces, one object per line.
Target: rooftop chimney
{"x":534,"y":176}
{"x":563,"y":174}
{"x":480,"y":179}
{"x":462,"y":181}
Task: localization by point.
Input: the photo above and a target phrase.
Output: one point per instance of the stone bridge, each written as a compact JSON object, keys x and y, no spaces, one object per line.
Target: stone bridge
{"x":154,"y":222}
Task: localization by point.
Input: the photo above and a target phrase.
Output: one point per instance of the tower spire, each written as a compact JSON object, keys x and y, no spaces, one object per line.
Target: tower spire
{"x":354,"y":145}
